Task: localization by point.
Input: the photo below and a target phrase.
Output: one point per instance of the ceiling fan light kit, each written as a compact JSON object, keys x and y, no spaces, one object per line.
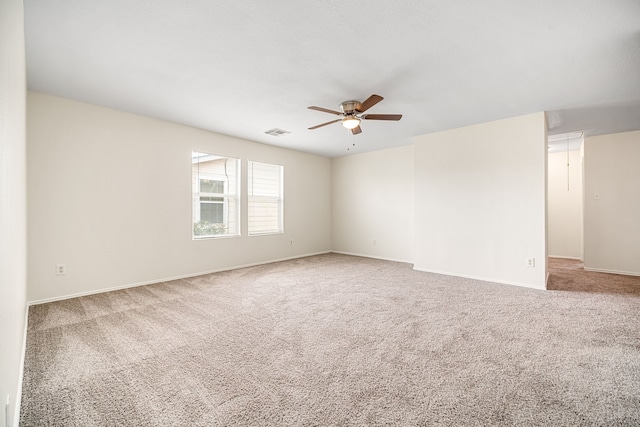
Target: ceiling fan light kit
{"x":351,"y":122}
{"x":351,"y":111}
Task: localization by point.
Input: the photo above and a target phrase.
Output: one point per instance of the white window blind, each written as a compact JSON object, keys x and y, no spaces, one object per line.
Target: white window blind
{"x":265,"y":191}
{"x":216,"y":195}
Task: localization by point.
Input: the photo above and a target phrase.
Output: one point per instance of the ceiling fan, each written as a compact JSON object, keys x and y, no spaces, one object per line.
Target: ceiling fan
{"x":351,"y":112}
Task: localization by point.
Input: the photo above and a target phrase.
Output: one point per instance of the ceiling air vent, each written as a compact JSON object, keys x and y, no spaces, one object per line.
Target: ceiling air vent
{"x":277,"y":132}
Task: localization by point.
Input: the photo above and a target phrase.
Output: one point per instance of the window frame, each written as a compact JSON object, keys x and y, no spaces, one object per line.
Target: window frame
{"x":228,"y":196}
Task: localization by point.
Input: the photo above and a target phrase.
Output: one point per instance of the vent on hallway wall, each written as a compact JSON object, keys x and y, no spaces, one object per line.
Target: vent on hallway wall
{"x":277,"y":132}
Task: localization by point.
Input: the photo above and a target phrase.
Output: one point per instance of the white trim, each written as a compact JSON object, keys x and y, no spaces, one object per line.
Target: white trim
{"x":213,"y":236}
{"x":265,"y":233}
{"x":18,"y":403}
{"x":622,"y":273}
{"x":483,"y":279}
{"x":546,"y":280}
{"x":564,"y":257}
{"x":371,"y":256}
{"x":167,"y":279}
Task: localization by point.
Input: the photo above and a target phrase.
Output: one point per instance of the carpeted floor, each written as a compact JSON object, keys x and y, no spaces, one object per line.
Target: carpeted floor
{"x":570,"y":275}
{"x":335,"y":340}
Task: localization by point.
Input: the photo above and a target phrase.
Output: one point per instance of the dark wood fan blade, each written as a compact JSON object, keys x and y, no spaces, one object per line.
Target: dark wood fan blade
{"x":324,"y":124}
{"x":394,"y":117}
{"x":369,"y":102}
{"x":324,"y":110}
{"x":356,"y":130}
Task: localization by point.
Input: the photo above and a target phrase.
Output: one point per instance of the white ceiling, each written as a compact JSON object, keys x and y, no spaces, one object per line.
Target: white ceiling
{"x":244,"y":67}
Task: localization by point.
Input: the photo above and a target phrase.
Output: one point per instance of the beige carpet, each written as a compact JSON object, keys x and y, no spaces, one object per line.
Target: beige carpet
{"x":335,"y":340}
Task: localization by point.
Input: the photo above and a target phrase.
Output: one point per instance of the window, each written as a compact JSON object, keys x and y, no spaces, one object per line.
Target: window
{"x":216,"y":195}
{"x":265,"y":188}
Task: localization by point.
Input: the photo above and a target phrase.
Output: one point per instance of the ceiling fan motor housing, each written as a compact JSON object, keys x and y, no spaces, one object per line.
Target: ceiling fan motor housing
{"x":349,"y":107}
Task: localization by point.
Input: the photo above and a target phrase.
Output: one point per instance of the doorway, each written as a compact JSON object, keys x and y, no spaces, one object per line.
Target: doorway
{"x":565,"y":195}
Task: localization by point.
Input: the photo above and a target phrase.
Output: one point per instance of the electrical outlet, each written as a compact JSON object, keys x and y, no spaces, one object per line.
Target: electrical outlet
{"x":375,"y":242}
{"x":61,"y":269}
{"x":290,"y":242}
{"x":531,"y":262}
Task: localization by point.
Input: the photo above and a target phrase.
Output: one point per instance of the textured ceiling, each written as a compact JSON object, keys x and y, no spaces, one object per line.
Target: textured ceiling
{"x":244,"y":67}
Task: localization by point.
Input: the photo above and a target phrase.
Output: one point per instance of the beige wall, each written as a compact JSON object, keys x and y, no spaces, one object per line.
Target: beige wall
{"x":372,"y":204}
{"x":110,"y":197}
{"x":612,"y":203}
{"x":565,"y":205}
{"x":13,"y":233}
{"x":468,"y":202}
{"x":480,"y":198}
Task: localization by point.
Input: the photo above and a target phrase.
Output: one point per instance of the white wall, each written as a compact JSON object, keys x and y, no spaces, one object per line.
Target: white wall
{"x":565,"y":205}
{"x":110,"y":197}
{"x":612,"y":221}
{"x":480,"y":198}
{"x":372,"y":200}
{"x":13,"y":233}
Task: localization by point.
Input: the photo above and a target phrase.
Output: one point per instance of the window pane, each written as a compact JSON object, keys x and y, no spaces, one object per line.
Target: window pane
{"x":211,"y":186}
{"x":212,"y":212}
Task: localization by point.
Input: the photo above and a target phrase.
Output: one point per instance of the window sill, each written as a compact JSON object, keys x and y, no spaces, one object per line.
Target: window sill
{"x":268,"y":233}
{"x":226,"y":236}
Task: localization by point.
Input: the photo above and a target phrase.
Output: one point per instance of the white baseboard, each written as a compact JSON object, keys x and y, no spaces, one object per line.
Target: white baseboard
{"x":18,"y":402}
{"x":622,"y":273}
{"x":371,"y":256}
{"x":167,"y":279}
{"x":564,"y":257}
{"x":483,"y":279}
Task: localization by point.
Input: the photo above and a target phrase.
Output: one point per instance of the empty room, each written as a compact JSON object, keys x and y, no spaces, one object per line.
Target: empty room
{"x":319,"y":213}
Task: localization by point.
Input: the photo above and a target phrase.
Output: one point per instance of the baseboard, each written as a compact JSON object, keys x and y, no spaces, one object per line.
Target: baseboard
{"x":482,"y":279}
{"x":564,"y":257}
{"x":622,"y":273}
{"x":373,"y":257}
{"x":18,"y":402}
{"x":167,"y":279}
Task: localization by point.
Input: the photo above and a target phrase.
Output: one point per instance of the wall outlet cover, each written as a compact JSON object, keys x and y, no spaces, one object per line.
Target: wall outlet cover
{"x":61,"y":269}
